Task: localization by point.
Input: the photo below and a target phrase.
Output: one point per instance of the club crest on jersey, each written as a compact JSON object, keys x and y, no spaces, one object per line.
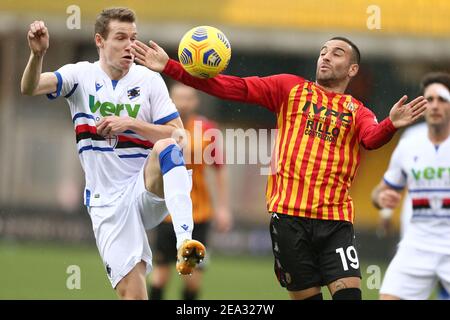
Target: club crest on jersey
{"x":134,"y":93}
{"x":436,"y":203}
{"x":112,"y":140}
{"x":351,"y":106}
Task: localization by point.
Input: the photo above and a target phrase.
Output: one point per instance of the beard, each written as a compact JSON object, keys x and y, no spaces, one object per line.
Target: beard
{"x":326,"y":79}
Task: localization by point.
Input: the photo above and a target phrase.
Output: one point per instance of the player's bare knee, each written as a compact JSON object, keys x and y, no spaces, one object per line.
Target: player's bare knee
{"x":346,"y":289}
{"x":344,"y":283}
{"x":162,"y":144}
{"x":153,"y":177}
{"x":127,"y":291}
{"x":132,"y":286}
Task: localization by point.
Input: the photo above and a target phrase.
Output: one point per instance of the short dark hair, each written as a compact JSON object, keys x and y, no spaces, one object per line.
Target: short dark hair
{"x":118,"y":13}
{"x":356,"y":53}
{"x":435,"y":77}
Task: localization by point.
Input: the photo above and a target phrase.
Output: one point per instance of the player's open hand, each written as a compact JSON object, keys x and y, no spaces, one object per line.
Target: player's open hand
{"x":38,"y":38}
{"x":152,"y":56}
{"x":112,"y":125}
{"x":403,"y":115}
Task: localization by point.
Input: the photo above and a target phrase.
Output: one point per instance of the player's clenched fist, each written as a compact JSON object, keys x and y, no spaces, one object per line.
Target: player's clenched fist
{"x":389,"y":199}
{"x":38,"y":38}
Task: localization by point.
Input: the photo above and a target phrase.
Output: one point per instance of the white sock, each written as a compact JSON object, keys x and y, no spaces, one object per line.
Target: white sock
{"x":177,"y":193}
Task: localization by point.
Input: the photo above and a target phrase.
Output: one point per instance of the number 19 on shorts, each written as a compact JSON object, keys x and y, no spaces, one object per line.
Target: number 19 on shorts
{"x":349,"y":255}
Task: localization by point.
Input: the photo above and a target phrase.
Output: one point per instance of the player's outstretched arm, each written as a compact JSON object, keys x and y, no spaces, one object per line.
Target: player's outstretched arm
{"x":156,"y":59}
{"x":373,"y":135}
{"x":254,"y":90}
{"x":34,"y":82}
{"x":403,"y":115}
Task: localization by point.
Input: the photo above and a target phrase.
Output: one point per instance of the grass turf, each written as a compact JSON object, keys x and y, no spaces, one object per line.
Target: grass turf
{"x":40,"y":271}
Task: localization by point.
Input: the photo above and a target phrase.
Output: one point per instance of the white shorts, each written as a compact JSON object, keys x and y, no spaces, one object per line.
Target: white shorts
{"x":120,"y":229}
{"x":413,"y":273}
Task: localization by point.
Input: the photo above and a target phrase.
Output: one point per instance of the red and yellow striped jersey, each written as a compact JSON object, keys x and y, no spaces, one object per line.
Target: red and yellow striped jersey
{"x":317,"y":149}
{"x":318,"y":154}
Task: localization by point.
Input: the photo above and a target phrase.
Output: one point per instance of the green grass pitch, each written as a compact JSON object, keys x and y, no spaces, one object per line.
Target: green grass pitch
{"x":38,"y":271}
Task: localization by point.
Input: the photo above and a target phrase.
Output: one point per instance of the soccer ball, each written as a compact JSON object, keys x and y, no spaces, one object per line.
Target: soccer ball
{"x":204,"y":51}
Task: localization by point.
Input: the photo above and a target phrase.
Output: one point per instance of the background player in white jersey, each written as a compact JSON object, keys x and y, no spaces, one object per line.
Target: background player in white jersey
{"x":121,"y":112}
{"x":422,"y":165}
{"x":412,"y":132}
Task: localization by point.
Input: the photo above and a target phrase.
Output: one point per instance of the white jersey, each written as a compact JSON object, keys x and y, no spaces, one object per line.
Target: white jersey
{"x":424,"y":169}
{"x":111,"y":164}
{"x":411,"y":132}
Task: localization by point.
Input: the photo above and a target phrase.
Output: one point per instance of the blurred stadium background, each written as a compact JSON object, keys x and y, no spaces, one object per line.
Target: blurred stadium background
{"x":43,"y":226}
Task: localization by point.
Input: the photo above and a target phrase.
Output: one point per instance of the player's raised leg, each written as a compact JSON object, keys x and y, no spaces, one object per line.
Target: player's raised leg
{"x":167,"y":177}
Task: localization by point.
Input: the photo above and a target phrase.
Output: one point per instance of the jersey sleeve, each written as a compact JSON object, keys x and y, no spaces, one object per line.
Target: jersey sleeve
{"x":395,"y":176}
{"x":163,"y":109}
{"x":372,"y":134}
{"x":263,"y":91}
{"x":67,"y":77}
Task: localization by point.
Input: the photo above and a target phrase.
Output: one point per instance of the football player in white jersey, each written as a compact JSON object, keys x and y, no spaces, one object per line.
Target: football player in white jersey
{"x":406,"y":210}
{"x":121,"y":112}
{"x":422,"y":165}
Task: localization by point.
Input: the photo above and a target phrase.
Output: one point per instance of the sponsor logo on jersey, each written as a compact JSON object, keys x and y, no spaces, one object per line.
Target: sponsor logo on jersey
{"x":334,"y":115}
{"x":430,"y":173}
{"x":325,"y":123}
{"x":109,"y":109}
